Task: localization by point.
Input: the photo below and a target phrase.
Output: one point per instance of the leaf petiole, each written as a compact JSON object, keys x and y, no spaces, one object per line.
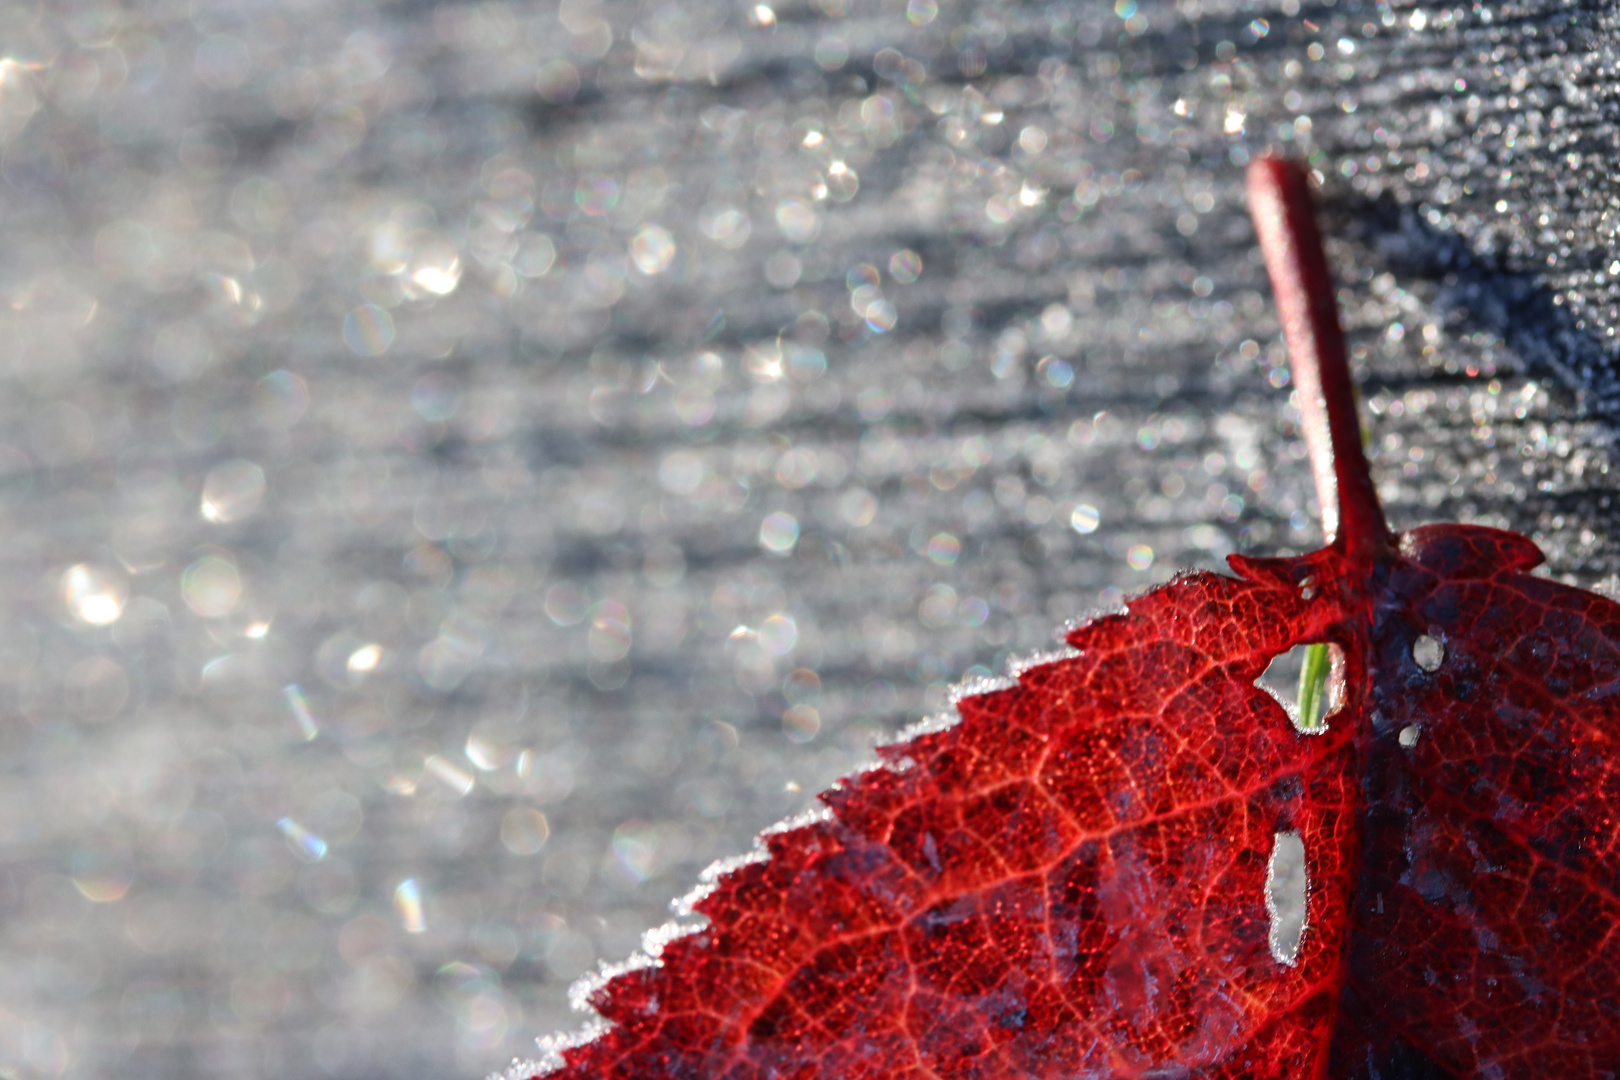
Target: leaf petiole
{"x":1285,"y":225}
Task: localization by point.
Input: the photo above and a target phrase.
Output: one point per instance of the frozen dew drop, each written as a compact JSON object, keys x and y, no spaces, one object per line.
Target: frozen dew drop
{"x":1409,"y":736}
{"x":211,"y":586}
{"x":905,"y":266}
{"x":831,"y":53}
{"x":778,"y":634}
{"x":94,"y":595}
{"x":858,"y":507}
{"x":364,"y":660}
{"x":458,"y":780}
{"x":873,"y":404}
{"x":610,"y":637}
{"x":557,"y":81}
{"x":435,"y":397}
{"x":801,"y":723}
{"x":798,"y":219}
{"x":408,"y":906}
{"x":524,"y":830}
{"x":280,"y":399}
{"x":1056,"y":320}
{"x":842,"y":181}
{"x":305,"y":844}
{"x":595,"y":195}
{"x":881,"y":316}
{"x":806,"y":363}
{"x":1428,"y":653}
{"x":779,"y":533}
{"x":1057,"y":373}
{"x":536,"y":254}
{"x":18,"y":101}
{"x":436,"y":268}
{"x":783,"y":270}
{"x":725,"y":225}
{"x":103,"y":873}
{"x":233,"y":490}
{"x":485,"y":752}
{"x":1084,"y":519}
{"x":652,"y":250}
{"x":862,"y":274}
{"x":682,"y":471}
{"x":566,"y":603}
{"x":368,"y":330}
{"x":922,"y":12}
{"x":1286,"y":888}
{"x":298,"y":705}
{"x":944,"y":549}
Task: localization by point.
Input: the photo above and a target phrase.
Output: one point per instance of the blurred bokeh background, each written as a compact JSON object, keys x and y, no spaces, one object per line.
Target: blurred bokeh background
{"x":466,"y":466}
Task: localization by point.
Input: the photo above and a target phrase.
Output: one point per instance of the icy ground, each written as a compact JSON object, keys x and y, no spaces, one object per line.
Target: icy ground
{"x":464,"y":467}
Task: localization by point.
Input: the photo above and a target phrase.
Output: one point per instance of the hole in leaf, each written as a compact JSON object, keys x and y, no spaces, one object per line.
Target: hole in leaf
{"x":1428,"y":653}
{"x":1408,"y":736}
{"x":1286,"y":886}
{"x":1307,"y":681}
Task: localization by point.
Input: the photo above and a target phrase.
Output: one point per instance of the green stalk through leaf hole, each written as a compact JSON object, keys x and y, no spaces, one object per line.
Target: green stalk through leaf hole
{"x":1313,"y":681}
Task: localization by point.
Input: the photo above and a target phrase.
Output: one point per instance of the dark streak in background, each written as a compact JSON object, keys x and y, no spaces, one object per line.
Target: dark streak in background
{"x":534,"y":474}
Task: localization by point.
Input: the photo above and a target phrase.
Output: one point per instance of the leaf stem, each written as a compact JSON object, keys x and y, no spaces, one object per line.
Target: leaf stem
{"x":1284,"y":218}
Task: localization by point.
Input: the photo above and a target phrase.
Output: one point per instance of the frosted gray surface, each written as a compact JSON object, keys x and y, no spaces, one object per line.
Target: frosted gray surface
{"x":465,"y":467}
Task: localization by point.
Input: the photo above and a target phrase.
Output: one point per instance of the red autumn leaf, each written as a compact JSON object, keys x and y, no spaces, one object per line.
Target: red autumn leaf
{"x":1085,"y":876}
